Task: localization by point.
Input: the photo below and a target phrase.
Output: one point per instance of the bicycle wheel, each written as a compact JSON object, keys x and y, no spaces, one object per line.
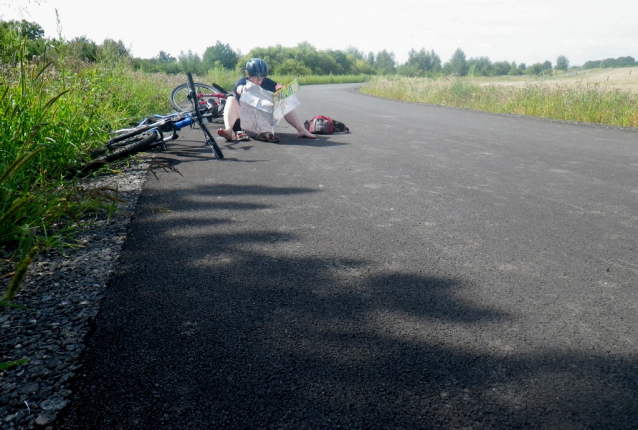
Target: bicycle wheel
{"x":137,"y":144}
{"x":128,"y":136}
{"x":181,"y":102}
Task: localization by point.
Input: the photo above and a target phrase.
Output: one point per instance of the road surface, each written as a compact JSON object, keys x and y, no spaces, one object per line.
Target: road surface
{"x":434,"y":268}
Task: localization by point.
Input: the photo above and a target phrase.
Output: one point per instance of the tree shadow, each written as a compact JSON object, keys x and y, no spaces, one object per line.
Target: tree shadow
{"x":240,"y":329}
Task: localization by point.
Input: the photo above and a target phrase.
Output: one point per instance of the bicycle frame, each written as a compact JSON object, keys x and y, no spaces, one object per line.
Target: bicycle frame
{"x":210,"y":140}
{"x":149,"y":133}
{"x":172,"y":123}
{"x":216,"y":107}
{"x":175,"y":121}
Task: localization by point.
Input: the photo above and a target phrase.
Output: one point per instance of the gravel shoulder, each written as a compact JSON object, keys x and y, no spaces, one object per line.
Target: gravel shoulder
{"x":63,"y":292}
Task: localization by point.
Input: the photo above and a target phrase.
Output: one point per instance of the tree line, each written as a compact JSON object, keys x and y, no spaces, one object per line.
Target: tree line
{"x":303,"y":59}
{"x":23,"y":39}
{"x":611,"y":62}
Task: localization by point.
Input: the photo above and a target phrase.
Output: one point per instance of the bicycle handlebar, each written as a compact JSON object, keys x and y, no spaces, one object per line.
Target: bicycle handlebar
{"x":183,"y":123}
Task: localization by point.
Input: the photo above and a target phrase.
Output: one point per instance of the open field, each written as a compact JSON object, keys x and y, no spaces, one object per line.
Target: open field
{"x":623,"y":78}
{"x":600,"y":96}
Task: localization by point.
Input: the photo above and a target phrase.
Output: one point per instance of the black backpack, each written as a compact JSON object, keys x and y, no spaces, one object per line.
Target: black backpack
{"x":325,"y":125}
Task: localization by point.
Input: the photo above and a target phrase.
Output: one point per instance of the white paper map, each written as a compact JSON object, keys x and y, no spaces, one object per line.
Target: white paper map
{"x":261,"y":110}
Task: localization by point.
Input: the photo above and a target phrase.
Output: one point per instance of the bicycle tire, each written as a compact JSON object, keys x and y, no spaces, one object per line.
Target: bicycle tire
{"x":134,"y":147}
{"x":180,"y":100}
{"x":127,"y":137}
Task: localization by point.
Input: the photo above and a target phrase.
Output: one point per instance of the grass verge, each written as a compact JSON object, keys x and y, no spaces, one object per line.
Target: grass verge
{"x":571,"y":102}
{"x":52,"y":114}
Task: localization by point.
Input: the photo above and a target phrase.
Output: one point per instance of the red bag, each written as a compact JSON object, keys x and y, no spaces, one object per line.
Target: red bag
{"x":325,"y":125}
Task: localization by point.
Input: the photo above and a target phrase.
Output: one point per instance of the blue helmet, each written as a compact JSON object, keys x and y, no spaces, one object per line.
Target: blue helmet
{"x":257,"y":67}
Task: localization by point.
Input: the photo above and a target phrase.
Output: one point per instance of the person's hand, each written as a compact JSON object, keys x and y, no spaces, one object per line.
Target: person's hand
{"x":241,"y":89}
{"x":278,"y":87}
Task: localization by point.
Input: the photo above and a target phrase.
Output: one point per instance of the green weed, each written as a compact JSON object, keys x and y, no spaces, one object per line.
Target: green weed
{"x":52,"y":114}
{"x":13,"y":363}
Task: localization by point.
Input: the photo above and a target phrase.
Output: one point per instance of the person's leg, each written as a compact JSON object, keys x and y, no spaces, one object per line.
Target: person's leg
{"x":293,"y":119}
{"x":231,"y":115}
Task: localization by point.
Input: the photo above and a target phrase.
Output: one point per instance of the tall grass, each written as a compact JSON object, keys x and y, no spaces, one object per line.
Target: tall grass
{"x":51,"y":115}
{"x":583,"y":103}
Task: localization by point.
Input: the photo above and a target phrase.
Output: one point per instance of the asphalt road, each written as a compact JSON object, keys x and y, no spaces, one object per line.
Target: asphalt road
{"x":434,"y":268}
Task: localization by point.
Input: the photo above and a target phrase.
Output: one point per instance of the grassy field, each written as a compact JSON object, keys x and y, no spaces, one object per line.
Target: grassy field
{"x":624,"y":78}
{"x":604,"y":96}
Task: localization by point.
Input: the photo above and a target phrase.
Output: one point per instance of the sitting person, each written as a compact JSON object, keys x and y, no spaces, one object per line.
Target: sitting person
{"x":256,"y":72}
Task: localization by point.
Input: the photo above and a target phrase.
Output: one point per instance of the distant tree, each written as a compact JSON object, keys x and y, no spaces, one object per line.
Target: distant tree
{"x":353,"y":52}
{"x":535,"y":69}
{"x":481,"y":66}
{"x":220,"y":54}
{"x":608,"y":62}
{"x":611,"y":62}
{"x":591,"y":64}
{"x":421,"y":63}
{"x":273,"y":55}
{"x":112,"y":51}
{"x":30,"y":30}
{"x":518,"y":70}
{"x":294,"y":68}
{"x":162,"y":63}
{"x":501,"y":68}
{"x":300,"y":60}
{"x":370,"y":59}
{"x":16,"y":34}
{"x":562,"y":63}
{"x":358,"y":63}
{"x":325,"y":63}
{"x":458,"y":63}
{"x":164,"y":57}
{"x":385,"y":63}
{"x":361,"y":66}
{"x":83,"y":49}
{"x":624,"y":62}
{"x":306,"y":54}
{"x":342,"y":60}
{"x":190,"y":62}
{"x":319,"y":62}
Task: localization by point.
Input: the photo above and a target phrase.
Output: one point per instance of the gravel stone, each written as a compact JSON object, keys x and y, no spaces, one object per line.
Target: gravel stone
{"x":62,"y":292}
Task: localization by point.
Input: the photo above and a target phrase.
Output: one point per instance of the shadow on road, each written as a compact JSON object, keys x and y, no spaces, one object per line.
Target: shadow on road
{"x":247,"y":329}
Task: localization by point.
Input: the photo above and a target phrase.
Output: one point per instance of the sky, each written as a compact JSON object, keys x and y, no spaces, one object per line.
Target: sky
{"x":523,"y":31}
